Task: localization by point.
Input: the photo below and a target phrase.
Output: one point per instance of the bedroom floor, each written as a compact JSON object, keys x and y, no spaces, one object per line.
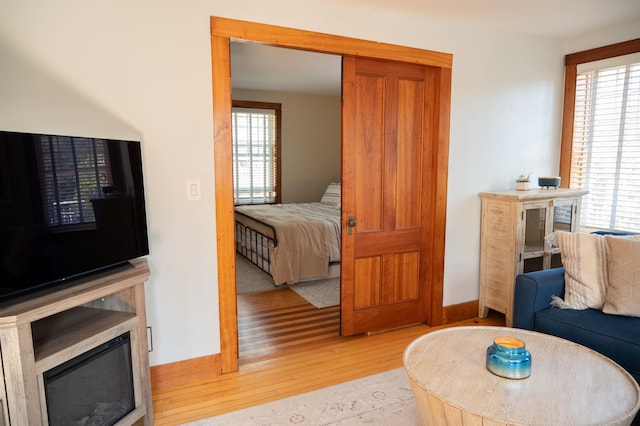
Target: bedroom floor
{"x":278,"y":322}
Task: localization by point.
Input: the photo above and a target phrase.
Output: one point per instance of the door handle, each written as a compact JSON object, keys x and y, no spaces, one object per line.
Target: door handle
{"x":351,"y":223}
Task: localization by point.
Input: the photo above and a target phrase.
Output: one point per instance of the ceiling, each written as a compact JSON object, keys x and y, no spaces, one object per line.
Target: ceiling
{"x":550,"y":18}
{"x":260,"y":67}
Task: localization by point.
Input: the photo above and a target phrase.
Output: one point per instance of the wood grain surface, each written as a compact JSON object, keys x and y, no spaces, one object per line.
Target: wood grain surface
{"x":569,"y":383}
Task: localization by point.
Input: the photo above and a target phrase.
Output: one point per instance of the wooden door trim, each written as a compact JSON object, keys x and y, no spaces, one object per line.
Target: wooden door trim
{"x":441,"y":136}
{"x":325,"y":43}
{"x":222,"y":31}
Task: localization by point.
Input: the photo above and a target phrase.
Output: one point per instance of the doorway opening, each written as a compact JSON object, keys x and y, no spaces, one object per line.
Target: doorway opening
{"x":305,"y":87}
{"x":225,"y":30}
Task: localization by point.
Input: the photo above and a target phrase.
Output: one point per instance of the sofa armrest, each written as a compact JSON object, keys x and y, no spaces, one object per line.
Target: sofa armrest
{"x":533,"y":292}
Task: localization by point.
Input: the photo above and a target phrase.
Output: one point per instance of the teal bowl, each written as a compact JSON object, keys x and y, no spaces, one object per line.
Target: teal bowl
{"x":507,"y":357}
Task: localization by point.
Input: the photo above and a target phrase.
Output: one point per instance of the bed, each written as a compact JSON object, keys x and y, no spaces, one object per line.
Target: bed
{"x":292,"y":242}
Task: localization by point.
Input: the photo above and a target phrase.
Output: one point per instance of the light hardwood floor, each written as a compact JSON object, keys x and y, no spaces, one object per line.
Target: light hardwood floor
{"x":280,"y":321}
{"x":284,"y":351}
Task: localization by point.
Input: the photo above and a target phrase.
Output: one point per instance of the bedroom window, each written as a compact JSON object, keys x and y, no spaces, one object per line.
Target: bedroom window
{"x":256,"y":152}
{"x":604,"y":143}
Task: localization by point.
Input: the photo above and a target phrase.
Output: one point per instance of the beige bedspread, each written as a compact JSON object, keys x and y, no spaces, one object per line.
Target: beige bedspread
{"x":308,"y":237}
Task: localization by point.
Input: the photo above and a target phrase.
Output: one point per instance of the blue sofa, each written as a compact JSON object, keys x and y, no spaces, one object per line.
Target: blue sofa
{"x":615,"y":336}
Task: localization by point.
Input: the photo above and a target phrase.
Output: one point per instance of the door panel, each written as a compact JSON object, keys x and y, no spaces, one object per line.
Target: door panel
{"x":370,"y":98}
{"x":406,"y":278}
{"x":386,"y":165}
{"x":409,"y":143}
{"x":367,"y":282}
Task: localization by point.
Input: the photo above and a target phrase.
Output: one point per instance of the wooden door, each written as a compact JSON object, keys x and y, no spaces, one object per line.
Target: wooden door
{"x":388,"y":158}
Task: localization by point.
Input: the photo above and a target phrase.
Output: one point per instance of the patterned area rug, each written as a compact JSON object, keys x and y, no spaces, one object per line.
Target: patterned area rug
{"x":381,"y":399}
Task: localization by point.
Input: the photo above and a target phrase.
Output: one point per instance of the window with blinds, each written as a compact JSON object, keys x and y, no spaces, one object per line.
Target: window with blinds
{"x":606,"y":143}
{"x":72,"y":172}
{"x":255,"y":155}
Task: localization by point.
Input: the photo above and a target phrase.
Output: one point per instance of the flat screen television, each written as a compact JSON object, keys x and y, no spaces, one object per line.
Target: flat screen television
{"x":69,"y":207}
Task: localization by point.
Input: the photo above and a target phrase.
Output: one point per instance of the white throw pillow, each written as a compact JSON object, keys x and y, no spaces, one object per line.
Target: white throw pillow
{"x":584,"y":258}
{"x":623,"y":286}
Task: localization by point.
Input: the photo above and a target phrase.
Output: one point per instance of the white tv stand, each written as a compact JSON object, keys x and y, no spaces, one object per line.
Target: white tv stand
{"x":43,"y":332}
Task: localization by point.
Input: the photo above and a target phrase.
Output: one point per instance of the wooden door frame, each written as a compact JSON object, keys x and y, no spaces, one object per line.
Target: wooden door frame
{"x":222,"y":31}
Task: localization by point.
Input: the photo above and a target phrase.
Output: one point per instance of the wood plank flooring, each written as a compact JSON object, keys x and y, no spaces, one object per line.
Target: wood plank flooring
{"x":275,"y":365}
{"x":281,"y":321}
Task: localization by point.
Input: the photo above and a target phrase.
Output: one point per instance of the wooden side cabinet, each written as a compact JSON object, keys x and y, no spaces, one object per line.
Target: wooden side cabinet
{"x":512,"y":239}
{"x":43,"y":332}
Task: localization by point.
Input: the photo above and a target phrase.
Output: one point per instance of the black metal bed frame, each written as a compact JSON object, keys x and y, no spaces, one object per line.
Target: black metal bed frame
{"x":255,"y":246}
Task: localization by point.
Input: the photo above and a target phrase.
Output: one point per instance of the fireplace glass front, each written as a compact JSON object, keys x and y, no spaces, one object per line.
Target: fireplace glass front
{"x":95,"y":388}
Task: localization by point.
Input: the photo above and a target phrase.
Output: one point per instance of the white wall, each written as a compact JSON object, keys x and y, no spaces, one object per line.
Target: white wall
{"x":142,"y":69}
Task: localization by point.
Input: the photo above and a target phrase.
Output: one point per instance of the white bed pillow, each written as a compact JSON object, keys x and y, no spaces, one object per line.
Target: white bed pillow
{"x":332,"y":195}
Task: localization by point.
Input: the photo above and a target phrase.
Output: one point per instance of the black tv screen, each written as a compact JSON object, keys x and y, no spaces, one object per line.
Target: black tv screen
{"x":69,"y":206}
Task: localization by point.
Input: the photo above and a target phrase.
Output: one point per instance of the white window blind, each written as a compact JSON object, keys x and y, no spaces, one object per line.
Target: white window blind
{"x":606,"y":146}
{"x":254,"y":155}
{"x":72,"y":172}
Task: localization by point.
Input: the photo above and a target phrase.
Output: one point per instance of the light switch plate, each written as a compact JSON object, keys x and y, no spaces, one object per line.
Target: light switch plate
{"x":193,"y":190}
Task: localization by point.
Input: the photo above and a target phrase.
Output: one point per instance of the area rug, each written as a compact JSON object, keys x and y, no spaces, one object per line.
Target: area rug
{"x":250,"y":278}
{"x":320,"y":293}
{"x":381,"y":399}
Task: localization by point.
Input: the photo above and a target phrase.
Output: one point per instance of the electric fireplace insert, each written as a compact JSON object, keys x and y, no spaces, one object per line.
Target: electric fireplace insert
{"x":94,"y":388}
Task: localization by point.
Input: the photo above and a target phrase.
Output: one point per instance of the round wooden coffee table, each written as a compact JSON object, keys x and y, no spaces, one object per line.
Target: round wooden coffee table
{"x":569,"y":383}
